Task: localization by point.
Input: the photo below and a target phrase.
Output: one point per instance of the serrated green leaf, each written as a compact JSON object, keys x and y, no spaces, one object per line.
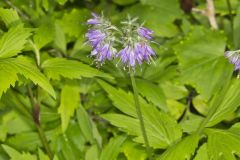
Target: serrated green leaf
{"x":54,"y":68}
{"x":23,"y":66}
{"x":70,"y":99}
{"x":15,"y":155}
{"x":161,"y":126}
{"x":9,"y":16}
{"x":183,"y":150}
{"x":203,"y":64}
{"x":153,"y":93}
{"x":112,"y":149}
{"x":13,"y":41}
{"x":223,"y":144}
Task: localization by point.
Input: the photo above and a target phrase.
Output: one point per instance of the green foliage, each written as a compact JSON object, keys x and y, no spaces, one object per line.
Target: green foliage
{"x":13,"y":41}
{"x":54,"y":68}
{"x":159,"y":125}
{"x":70,"y":99}
{"x":208,"y":47}
{"x":56,"y":103}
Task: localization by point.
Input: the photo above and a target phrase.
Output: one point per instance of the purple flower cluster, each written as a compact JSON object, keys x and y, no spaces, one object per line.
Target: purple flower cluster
{"x":136,"y":48}
{"x":138,"y":51}
{"x":99,"y":40}
{"x":234,"y":58}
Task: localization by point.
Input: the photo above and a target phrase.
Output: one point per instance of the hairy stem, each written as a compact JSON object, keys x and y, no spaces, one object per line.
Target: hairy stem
{"x":139,"y":114}
{"x":36,"y":119}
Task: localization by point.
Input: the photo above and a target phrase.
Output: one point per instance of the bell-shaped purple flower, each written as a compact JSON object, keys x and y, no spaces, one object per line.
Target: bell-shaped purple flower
{"x":103,"y":52}
{"x":95,"y":37}
{"x":136,"y":54}
{"x":95,"y":20}
{"x":145,"y":32}
{"x":234,"y":58}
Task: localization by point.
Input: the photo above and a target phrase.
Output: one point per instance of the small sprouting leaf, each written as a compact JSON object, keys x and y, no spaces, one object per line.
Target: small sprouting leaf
{"x":70,"y":99}
{"x":55,"y":68}
{"x":13,"y":41}
{"x":112,"y":149}
{"x":183,"y":150}
{"x":15,"y":155}
{"x":223,"y":144}
{"x":9,"y":16}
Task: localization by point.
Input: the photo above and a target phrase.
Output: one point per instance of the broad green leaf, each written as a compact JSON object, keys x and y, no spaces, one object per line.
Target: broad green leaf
{"x":202,"y":153}
{"x":160,"y":125}
{"x":45,"y":33}
{"x":203,"y":64}
{"x":15,"y":155}
{"x":55,"y":68}
{"x":174,"y":91}
{"x":175,"y":108}
{"x":112,"y":149}
{"x":9,"y":16}
{"x":72,"y":23}
{"x":223,"y":144}
{"x":70,"y":99}
{"x":229,"y":103}
{"x":23,"y":66}
{"x":153,"y":93}
{"x":183,"y":150}
{"x":13,"y":41}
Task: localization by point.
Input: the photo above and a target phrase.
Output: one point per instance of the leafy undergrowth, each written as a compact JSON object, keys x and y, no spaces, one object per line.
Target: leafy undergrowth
{"x":56,"y":103}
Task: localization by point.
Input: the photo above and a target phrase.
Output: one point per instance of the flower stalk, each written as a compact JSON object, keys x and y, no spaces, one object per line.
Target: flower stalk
{"x":139,"y":114}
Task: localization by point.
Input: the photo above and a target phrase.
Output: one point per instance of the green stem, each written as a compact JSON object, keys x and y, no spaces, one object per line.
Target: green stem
{"x":35,"y":116}
{"x":139,"y":114}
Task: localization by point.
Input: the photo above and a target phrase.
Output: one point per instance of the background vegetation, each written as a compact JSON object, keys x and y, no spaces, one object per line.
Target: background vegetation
{"x":55,"y":103}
